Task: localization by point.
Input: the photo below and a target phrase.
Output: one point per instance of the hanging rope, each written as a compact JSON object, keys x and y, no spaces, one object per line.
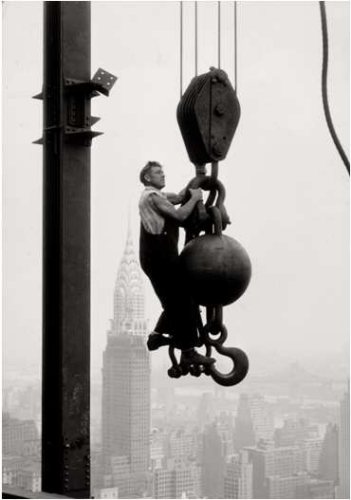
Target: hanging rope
{"x":235,"y":50}
{"x":325,"y":90}
{"x":219,"y":34}
{"x":196,"y":45}
{"x":181,"y":48}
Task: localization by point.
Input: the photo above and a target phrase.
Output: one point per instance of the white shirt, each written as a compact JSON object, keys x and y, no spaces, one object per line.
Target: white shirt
{"x":151,"y":219}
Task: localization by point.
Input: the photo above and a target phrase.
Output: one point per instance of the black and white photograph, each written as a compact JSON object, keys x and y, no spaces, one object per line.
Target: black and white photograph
{"x":176,"y":249}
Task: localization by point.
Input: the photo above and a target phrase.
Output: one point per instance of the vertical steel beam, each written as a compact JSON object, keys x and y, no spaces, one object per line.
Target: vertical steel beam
{"x":66,"y":259}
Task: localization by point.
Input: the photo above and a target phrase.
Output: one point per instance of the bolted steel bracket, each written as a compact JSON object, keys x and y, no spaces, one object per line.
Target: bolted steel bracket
{"x":77,"y":120}
{"x":103,"y":81}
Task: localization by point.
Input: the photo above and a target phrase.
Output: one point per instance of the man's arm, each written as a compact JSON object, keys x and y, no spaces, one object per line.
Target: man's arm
{"x":165,"y":207}
{"x":176,"y":199}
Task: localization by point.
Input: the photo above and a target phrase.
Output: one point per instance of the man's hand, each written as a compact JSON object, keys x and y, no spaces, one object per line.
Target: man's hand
{"x":176,"y":199}
{"x":182,"y":195}
{"x":196,"y":194}
{"x":166,"y":208}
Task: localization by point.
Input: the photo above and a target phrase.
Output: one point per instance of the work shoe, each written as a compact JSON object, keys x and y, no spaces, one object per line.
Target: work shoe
{"x":156,"y":340}
{"x":192,"y":357}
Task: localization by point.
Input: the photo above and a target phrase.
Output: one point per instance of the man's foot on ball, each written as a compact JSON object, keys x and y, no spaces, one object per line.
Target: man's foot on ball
{"x":156,"y":340}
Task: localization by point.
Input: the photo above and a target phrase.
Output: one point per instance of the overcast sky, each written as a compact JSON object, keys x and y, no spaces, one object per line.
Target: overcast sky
{"x":287,"y":189}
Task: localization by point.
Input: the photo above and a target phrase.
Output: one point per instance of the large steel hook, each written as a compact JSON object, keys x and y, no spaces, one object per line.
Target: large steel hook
{"x":238,"y":357}
{"x":239,"y":370}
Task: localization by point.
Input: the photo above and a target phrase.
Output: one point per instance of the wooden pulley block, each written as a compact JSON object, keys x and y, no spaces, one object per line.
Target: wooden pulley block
{"x":208,"y":114}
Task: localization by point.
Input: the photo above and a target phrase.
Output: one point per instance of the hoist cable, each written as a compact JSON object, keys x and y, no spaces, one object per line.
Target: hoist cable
{"x":325,"y":90}
{"x":196,"y":44}
{"x":181,"y":48}
{"x":235,"y":50}
{"x":219,"y":34}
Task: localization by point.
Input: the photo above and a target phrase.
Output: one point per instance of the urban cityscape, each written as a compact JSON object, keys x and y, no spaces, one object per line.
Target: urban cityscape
{"x":283,"y":432}
{"x":284,"y":435}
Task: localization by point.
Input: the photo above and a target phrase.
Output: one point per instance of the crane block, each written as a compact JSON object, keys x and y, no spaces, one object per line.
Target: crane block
{"x":208,"y":114}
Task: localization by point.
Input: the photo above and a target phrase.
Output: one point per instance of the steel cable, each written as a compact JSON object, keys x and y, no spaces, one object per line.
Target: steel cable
{"x":196,"y":44}
{"x":181,"y":48}
{"x":325,"y":89}
{"x":235,"y":50}
{"x":219,"y":34}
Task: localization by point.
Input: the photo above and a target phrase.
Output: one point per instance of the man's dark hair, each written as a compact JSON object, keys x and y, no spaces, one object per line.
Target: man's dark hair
{"x":145,"y":170}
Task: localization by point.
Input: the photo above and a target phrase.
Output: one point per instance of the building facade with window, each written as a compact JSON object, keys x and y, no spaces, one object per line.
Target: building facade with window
{"x":238,"y":476}
{"x":126,"y":383}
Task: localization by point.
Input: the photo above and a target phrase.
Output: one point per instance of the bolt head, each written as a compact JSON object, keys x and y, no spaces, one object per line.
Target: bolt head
{"x":217,"y":149}
{"x":220,"y":109}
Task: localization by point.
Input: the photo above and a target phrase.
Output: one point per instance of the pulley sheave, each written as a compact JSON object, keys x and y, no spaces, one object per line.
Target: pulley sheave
{"x":208,"y":114}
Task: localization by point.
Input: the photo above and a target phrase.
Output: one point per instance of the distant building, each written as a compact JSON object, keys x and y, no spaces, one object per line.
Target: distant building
{"x":11,"y":465}
{"x":19,"y":437}
{"x":299,"y":485}
{"x":316,"y":488}
{"x":106,"y":492}
{"x":29,"y":477}
{"x":157,"y":449}
{"x":285,"y":486}
{"x":344,"y":446}
{"x":21,"y":454}
{"x":163,"y":485}
{"x":328,"y":465}
{"x":187,"y":481}
{"x":271,"y":462}
{"x":180,"y":444}
{"x":22,"y":473}
{"x":212,"y":465}
{"x":24,"y":402}
{"x":122,"y":476}
{"x":176,"y":472}
{"x":206,"y":411}
{"x":126,"y":385}
{"x":244,"y":434}
{"x":177,"y":479}
{"x":253,"y":421}
{"x":225,"y":429}
{"x":294,"y":431}
{"x":238,"y":476}
{"x":313,"y":449}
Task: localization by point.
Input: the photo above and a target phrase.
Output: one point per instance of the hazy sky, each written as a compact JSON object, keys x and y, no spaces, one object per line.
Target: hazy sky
{"x":287,"y":189}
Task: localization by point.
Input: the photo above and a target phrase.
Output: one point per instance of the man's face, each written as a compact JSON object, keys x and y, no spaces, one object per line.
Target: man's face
{"x":156,"y":177}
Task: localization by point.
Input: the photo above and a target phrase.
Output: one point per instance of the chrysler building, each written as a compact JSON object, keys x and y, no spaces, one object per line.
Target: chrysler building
{"x":126,"y":383}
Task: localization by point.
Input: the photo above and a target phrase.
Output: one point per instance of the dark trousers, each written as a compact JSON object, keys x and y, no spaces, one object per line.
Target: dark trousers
{"x":160,"y":261}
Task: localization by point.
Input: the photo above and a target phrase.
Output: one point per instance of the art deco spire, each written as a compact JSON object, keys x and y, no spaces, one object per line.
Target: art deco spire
{"x":128,"y":307}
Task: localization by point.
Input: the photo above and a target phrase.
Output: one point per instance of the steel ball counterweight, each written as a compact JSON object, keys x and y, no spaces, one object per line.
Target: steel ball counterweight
{"x":217,"y":269}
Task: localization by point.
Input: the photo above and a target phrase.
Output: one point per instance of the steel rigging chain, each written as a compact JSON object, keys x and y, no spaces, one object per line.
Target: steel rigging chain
{"x":216,"y":267}
{"x":201,"y":220}
{"x":214,"y":333}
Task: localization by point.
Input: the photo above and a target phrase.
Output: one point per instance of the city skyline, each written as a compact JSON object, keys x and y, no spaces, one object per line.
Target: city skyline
{"x":284,"y":430}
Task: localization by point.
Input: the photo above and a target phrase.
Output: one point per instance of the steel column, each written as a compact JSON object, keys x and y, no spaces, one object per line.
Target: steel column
{"x":66,"y":256}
